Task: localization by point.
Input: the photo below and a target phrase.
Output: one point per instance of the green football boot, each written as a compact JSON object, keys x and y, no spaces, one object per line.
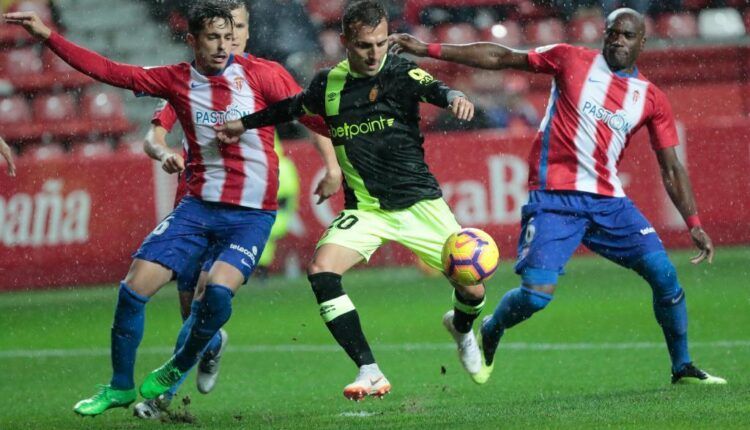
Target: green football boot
{"x":485,"y":371}
{"x":690,"y":374}
{"x":106,"y":398}
{"x":160,"y":380}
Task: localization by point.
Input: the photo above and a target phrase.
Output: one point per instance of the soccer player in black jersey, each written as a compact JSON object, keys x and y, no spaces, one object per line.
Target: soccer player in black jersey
{"x":370,"y":103}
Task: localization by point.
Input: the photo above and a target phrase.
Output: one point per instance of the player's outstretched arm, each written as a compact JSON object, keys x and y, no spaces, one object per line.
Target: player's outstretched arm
{"x":151,"y":81}
{"x":331,"y":181}
{"x":277,"y":113}
{"x":8,"y":155}
{"x":677,"y":184}
{"x":483,"y":55}
{"x":155,"y":146}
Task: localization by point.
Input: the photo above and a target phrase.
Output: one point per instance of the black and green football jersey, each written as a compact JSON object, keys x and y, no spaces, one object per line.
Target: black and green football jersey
{"x":374,"y":126}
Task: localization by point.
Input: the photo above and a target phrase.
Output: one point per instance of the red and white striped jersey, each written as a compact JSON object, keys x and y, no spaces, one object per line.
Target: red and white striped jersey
{"x":591,"y":116}
{"x":244,"y":174}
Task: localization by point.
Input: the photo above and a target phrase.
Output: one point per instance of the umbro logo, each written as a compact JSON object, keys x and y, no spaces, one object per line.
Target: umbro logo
{"x":331,"y":97}
{"x":326,"y":309}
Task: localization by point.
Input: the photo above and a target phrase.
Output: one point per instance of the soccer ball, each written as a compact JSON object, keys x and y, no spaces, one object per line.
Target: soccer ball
{"x":470,"y":256}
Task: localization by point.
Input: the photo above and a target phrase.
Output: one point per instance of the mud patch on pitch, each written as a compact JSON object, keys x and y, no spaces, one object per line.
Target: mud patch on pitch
{"x":181,"y":414}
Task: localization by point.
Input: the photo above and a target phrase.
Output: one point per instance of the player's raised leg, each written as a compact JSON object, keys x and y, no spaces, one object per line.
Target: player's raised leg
{"x":551,"y":230}
{"x":328,"y":265}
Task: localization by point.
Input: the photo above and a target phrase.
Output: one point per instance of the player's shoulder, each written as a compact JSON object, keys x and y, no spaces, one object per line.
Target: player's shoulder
{"x":399,"y":64}
{"x":259,"y":65}
{"x":565,"y":49}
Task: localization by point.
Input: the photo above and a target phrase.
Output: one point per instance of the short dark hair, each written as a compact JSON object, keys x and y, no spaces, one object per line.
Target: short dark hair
{"x":206,"y":11}
{"x":366,"y":12}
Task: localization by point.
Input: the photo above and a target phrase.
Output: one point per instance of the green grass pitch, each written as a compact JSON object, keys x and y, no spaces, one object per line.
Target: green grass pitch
{"x":594,"y":358}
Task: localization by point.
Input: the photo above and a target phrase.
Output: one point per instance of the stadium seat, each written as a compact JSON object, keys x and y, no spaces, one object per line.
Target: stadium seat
{"x":506,"y":33}
{"x":677,"y":26}
{"x":720,"y":24}
{"x":58,"y":114}
{"x":545,"y":32}
{"x":16,"y":121}
{"x":45,"y":152}
{"x":457,"y":33}
{"x":92,"y":149}
{"x":59,"y":74}
{"x":105,"y":110}
{"x":423,"y":33}
{"x":20,"y":62}
{"x":589,"y":29}
{"x":325,"y":11}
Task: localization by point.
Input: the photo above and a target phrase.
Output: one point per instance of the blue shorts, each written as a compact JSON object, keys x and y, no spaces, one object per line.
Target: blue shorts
{"x":188,"y":280}
{"x":554,"y":223}
{"x":197,"y":230}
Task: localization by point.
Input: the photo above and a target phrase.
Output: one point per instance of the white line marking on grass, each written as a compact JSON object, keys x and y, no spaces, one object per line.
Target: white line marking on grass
{"x":253,"y":349}
{"x":360,"y":414}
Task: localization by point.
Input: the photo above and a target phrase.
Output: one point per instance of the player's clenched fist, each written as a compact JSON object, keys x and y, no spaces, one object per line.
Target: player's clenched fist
{"x":30,"y":21}
{"x":172,"y":163}
{"x":230,"y":131}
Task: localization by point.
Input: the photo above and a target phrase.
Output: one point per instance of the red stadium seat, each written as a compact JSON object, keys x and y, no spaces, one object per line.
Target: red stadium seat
{"x":16,"y":121}
{"x":423,"y":33}
{"x":506,"y":33}
{"x":14,"y":110}
{"x":54,"y":108}
{"x":695,"y":4}
{"x":60,"y":74}
{"x":457,"y":33}
{"x":677,"y":26}
{"x":545,"y":32}
{"x":105,"y":110}
{"x":45,"y":152}
{"x":326,"y":11}
{"x":58,"y":114}
{"x":92,"y":149}
{"x":588,"y":29}
{"x":19,"y":62}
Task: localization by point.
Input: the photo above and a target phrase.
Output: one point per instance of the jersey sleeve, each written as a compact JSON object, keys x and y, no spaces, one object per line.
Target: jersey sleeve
{"x":164,"y":116}
{"x":661,"y":125}
{"x":282,"y":87}
{"x":154,"y":81}
{"x":411,"y":79}
{"x":313,"y":101}
{"x":550,"y":59}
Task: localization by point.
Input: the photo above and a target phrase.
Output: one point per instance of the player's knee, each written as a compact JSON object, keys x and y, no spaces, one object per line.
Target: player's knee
{"x":535,"y":300}
{"x":473,"y":292}
{"x":661,"y":275}
{"x":217,"y":304}
{"x":315,"y":267}
{"x":541,"y":280}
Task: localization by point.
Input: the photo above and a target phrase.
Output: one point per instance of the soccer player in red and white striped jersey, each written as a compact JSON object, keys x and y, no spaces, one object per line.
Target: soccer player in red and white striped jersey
{"x":232,"y":188}
{"x":599,"y":100}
